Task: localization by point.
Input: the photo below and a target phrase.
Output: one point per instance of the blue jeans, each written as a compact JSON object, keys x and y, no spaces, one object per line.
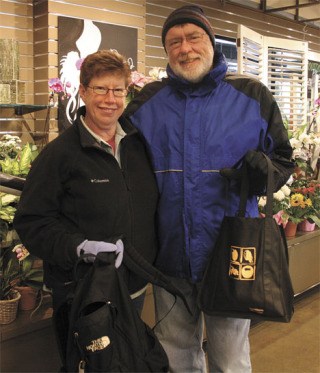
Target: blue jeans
{"x":181,"y":334}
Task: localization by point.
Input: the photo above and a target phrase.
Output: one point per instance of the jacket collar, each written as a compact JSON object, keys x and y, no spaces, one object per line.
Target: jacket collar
{"x":210,"y":81}
{"x":87,"y":139}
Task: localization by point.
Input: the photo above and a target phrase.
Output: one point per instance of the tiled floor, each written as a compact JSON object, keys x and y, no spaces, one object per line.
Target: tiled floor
{"x":289,"y":348}
{"x":275,"y":347}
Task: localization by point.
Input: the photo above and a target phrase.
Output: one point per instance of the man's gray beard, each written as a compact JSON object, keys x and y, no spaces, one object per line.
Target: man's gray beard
{"x":195,"y":76}
{"x":194,"y":79}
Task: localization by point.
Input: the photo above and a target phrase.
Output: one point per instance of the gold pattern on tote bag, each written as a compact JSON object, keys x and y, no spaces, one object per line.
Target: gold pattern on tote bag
{"x":242,"y":263}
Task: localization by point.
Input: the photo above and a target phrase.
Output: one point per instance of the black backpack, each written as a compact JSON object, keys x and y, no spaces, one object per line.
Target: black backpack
{"x":106,"y":333}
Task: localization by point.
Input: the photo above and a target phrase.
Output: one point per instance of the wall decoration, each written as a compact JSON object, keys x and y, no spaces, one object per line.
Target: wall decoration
{"x":12,"y":90}
{"x":76,"y":39}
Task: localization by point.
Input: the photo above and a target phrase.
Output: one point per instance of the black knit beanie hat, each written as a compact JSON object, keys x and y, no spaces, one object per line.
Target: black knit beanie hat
{"x":188,"y":14}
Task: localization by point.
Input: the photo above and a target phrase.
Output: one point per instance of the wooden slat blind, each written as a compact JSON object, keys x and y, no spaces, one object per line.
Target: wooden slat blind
{"x":282,"y":65}
{"x":287,"y":80}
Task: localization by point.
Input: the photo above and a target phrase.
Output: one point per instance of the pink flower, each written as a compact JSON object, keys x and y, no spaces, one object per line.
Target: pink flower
{"x":138,"y":79}
{"x":55,"y":85}
{"x":79,"y":63}
{"x":278,"y":217}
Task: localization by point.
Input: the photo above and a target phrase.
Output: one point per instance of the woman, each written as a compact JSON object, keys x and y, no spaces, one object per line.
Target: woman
{"x":91,"y":189}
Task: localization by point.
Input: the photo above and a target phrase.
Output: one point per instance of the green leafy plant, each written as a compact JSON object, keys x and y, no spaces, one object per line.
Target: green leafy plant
{"x":28,"y":275}
{"x":9,"y":269}
{"x":18,"y":163}
{"x":15,"y":272}
{"x":14,"y":160}
{"x":8,"y":203}
{"x":8,"y":206}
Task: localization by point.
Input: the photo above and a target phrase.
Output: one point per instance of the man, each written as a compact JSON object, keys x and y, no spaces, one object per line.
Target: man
{"x":198,"y":122}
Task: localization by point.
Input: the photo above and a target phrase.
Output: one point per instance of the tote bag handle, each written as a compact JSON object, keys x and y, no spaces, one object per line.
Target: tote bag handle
{"x":245,"y":189}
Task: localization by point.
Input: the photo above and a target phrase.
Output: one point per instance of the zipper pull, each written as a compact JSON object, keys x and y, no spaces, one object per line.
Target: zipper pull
{"x":82,"y":365}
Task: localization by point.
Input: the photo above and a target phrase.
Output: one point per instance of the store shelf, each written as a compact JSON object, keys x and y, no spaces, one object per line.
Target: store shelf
{"x":22,"y":109}
{"x":28,"y":321}
{"x":304,"y":260}
{"x":18,"y":119}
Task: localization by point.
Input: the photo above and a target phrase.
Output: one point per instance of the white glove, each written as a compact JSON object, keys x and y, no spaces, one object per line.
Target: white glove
{"x":95,"y":247}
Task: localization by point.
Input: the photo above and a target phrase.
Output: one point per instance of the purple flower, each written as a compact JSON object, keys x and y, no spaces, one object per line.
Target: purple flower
{"x":79,"y":63}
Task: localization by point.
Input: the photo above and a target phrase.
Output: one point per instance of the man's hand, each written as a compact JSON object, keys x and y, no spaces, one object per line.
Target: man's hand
{"x":257,"y":163}
{"x":231,"y":173}
{"x":257,"y":170}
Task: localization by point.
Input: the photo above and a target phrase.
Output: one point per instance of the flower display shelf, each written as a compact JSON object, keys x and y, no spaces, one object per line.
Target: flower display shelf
{"x":28,"y":321}
{"x":13,"y":122}
{"x":304,"y":260}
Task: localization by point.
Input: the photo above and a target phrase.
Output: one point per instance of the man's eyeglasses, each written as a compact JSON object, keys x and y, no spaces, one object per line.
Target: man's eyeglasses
{"x":117,"y":92}
{"x":176,"y":43}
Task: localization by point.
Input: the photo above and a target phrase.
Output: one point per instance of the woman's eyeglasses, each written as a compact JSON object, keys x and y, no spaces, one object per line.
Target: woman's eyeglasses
{"x":117,"y":92}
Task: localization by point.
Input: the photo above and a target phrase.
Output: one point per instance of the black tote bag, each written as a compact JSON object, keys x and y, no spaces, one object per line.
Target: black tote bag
{"x":247,"y":275}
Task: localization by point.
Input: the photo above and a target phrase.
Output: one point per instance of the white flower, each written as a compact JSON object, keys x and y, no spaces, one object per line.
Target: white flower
{"x":300,"y":153}
{"x":290,"y":180}
{"x":316,"y":140}
{"x":262,"y":201}
{"x":286,"y":190}
{"x":157,"y":73}
{"x":163,"y":74}
{"x":279,"y":195}
{"x":9,"y":142}
{"x":295,"y":143}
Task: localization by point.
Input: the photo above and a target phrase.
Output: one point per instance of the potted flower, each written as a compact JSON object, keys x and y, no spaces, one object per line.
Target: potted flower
{"x":9,"y":296}
{"x":139,"y":80}
{"x":58,"y":88}
{"x":291,"y":206}
{"x":305,"y":142}
{"x":310,"y":190}
{"x":29,"y":279}
{"x":300,"y":208}
{"x":14,"y":158}
{"x":281,"y":202}
{"x":15,"y":162}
